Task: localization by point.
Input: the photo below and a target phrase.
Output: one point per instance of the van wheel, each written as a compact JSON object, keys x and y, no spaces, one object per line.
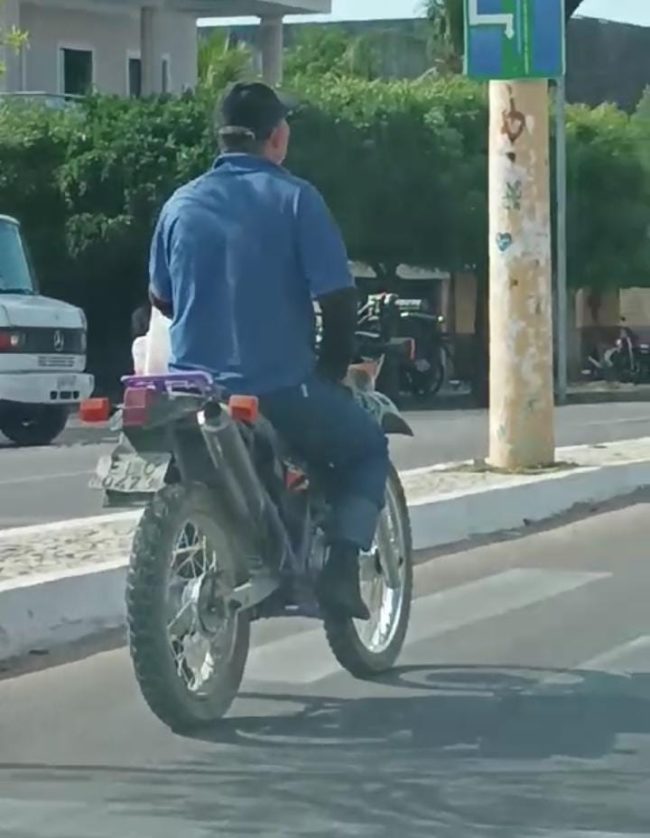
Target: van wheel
{"x":27,"y":425}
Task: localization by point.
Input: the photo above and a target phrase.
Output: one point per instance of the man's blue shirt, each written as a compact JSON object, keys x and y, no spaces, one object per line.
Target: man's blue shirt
{"x":241,"y":253}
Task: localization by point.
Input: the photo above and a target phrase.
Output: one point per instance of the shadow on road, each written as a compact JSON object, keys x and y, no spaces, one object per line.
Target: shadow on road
{"x":469,"y":751}
{"x":465,"y":752}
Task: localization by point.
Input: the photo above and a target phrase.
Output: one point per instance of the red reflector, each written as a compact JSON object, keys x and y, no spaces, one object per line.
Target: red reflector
{"x":137,"y":404}
{"x":244,"y":408}
{"x":95,"y":410}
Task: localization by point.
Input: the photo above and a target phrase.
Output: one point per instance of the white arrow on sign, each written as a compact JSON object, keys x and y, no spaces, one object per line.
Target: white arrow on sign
{"x":484,"y":19}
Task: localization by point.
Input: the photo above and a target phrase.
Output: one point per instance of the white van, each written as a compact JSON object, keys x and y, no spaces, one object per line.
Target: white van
{"x":42,"y":350}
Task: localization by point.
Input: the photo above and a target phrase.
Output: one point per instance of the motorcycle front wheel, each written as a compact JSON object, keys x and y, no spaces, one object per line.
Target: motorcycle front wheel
{"x":368,"y":648}
{"x":188,"y":648}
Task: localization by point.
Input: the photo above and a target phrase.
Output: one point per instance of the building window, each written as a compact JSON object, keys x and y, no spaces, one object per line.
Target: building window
{"x":165,"y":81}
{"x":135,"y":76}
{"x":76,"y":71}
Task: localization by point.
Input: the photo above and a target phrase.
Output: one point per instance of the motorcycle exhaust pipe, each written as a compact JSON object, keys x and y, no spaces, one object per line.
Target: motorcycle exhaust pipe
{"x":242,"y":485}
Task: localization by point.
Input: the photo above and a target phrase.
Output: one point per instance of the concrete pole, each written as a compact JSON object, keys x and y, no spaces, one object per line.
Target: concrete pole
{"x":150,"y":51}
{"x":561,"y":327}
{"x":271,"y":48}
{"x":521,"y":332}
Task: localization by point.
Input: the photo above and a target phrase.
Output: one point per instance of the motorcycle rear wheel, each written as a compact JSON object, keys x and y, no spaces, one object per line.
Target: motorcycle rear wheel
{"x":367,"y":649}
{"x":183,"y":565}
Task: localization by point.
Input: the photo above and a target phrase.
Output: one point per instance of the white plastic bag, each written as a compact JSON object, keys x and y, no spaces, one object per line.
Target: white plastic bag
{"x":139,"y":354}
{"x":151,"y":353}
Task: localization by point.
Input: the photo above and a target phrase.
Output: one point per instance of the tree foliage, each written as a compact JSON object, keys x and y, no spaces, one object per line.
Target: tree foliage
{"x":395,"y":165}
{"x":13,"y":39}
{"x":330,"y":51}
{"x":448,"y":30}
{"x":222,"y":62}
{"x":609,"y":199}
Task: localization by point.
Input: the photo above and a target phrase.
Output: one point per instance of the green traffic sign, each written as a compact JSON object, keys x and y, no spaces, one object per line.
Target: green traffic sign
{"x":514,"y":39}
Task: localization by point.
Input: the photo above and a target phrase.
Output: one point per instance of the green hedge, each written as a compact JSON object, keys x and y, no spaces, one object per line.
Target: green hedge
{"x":402,"y":164}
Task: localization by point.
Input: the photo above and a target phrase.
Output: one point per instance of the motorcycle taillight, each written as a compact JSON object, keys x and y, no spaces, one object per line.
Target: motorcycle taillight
{"x":138,"y":402}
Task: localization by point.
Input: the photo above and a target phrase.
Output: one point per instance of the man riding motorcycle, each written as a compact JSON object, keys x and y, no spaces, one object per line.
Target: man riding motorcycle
{"x":238,"y":257}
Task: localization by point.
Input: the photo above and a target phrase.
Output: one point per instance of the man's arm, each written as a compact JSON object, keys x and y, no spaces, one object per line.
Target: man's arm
{"x":324,"y":262}
{"x":339,"y":318}
{"x":160,"y":283}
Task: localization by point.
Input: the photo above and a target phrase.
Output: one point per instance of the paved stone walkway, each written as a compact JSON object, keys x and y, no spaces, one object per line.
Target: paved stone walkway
{"x":53,"y":548}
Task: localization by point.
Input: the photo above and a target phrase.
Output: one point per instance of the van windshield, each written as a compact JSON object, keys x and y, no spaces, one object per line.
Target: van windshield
{"x":15,"y":272}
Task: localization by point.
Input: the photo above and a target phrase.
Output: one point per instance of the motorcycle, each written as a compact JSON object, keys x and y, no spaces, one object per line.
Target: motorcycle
{"x":427,"y":372}
{"x":233,"y":532}
{"x":420,"y":365}
{"x":627,"y":361}
{"x":375,"y":337}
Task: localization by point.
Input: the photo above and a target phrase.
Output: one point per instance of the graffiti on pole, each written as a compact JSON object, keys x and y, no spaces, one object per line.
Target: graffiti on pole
{"x":512,"y":195}
{"x":514,"y":121}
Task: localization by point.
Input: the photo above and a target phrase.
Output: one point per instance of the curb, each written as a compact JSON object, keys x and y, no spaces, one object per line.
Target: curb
{"x":51,"y":610}
{"x":55,"y":609}
{"x":442,"y":521}
{"x":612,"y":396}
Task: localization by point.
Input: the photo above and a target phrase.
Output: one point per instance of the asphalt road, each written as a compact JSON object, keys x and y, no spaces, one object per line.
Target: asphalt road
{"x":520,"y":709}
{"x":50,"y":484}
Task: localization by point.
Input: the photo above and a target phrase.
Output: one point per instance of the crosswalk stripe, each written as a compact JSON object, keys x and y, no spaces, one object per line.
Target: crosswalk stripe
{"x":581,"y":833}
{"x":633,"y":656}
{"x":305,"y":658}
{"x":75,"y":819}
{"x":492,"y":596}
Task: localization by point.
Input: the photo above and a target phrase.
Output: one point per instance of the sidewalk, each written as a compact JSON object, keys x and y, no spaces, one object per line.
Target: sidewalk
{"x":601,"y":391}
{"x":65,"y":580}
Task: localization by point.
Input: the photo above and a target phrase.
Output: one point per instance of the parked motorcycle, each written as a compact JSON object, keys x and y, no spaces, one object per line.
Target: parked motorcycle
{"x":232,"y":532}
{"x":423,"y":363}
{"x":427,"y":370}
{"x":375,"y":337}
{"x":628,"y":361}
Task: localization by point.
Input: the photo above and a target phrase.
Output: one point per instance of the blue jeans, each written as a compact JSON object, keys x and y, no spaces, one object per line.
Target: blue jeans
{"x":343,"y":446}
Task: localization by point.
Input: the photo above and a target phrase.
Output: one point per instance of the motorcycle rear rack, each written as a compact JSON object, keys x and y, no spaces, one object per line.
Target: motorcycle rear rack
{"x":175,"y":382}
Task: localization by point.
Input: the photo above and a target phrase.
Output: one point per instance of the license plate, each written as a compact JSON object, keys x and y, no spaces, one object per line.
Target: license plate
{"x":66,"y":382}
{"x":131,"y":473}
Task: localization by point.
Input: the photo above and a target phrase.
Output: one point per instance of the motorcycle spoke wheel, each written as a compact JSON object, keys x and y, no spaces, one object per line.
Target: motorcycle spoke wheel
{"x":368,"y":648}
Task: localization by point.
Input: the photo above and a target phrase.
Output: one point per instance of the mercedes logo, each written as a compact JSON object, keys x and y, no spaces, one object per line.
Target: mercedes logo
{"x":58,"y":340}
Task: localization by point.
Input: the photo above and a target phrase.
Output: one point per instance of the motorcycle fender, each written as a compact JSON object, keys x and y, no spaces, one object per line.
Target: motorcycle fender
{"x":384,"y":412}
{"x":393,"y":423}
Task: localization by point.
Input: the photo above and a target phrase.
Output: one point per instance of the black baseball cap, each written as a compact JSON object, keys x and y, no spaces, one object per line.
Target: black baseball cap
{"x":251,"y":109}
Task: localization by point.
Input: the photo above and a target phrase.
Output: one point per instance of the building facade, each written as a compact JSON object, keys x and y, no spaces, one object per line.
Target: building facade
{"x":123,"y":48}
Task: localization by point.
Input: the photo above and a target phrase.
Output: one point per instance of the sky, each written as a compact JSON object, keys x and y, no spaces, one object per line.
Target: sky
{"x":624,"y":11}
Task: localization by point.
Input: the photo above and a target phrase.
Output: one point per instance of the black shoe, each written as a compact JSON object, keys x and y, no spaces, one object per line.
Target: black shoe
{"x":339,"y":587}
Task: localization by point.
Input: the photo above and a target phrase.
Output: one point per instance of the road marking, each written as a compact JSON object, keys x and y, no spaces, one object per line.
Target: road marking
{"x":581,"y":833}
{"x":93,"y":818}
{"x":637,"y":420}
{"x":492,"y":596}
{"x":39,"y":478}
{"x":628,"y":657}
{"x":305,"y":658}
